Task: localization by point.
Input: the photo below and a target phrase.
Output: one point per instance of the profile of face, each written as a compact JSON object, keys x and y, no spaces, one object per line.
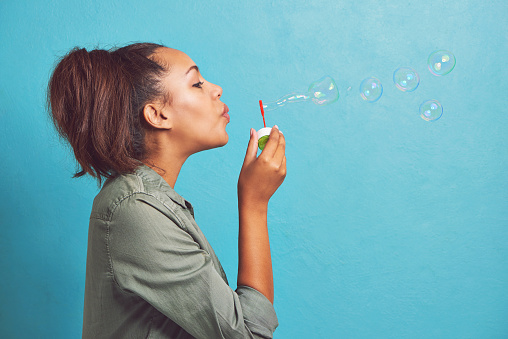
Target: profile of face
{"x":195,"y":115}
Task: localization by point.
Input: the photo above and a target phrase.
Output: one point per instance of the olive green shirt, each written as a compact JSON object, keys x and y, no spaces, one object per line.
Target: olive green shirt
{"x":151,"y":273}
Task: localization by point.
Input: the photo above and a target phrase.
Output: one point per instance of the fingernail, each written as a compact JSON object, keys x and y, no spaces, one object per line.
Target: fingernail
{"x":277,"y":127}
{"x":251,"y":132}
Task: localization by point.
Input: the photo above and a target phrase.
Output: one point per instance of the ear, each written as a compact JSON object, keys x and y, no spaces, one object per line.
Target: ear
{"x":157,"y":116}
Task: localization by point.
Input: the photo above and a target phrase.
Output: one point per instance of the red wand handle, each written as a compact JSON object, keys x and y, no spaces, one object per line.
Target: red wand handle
{"x":262,"y":112}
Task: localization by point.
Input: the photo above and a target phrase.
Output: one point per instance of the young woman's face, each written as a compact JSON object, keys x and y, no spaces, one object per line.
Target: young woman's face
{"x":197,"y":115}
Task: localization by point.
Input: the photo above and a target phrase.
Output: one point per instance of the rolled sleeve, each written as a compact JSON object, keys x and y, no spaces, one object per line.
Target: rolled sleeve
{"x":156,"y":259}
{"x":259,"y":314}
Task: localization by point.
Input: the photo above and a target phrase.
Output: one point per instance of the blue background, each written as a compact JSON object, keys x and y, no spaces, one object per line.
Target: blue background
{"x":387,"y":226}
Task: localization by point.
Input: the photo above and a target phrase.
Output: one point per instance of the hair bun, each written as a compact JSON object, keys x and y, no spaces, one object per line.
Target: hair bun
{"x":95,"y":100}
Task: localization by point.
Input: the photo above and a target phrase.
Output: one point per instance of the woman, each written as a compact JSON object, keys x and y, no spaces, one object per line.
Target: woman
{"x":133,"y":116}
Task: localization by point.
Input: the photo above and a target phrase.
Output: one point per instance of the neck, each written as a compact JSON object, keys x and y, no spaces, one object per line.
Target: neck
{"x":167,"y":168}
{"x":166,"y":155}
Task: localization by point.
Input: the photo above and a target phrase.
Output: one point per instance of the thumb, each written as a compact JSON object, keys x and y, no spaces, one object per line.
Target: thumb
{"x":252,"y":148}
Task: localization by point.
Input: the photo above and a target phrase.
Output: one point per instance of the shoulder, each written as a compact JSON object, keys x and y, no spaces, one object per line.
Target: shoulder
{"x":137,"y":190}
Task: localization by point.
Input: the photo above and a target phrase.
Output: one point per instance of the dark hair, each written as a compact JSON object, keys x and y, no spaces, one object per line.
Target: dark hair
{"x":96,"y":100}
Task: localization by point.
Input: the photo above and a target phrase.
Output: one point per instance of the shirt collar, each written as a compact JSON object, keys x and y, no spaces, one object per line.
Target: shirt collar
{"x":155,"y":179}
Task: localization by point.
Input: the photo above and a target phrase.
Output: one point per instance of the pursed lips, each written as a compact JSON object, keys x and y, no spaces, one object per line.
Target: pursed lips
{"x":225,"y":112}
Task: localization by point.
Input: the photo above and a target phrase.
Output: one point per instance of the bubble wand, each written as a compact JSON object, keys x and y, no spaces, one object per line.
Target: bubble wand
{"x":263,"y":133}
{"x":262,"y":112}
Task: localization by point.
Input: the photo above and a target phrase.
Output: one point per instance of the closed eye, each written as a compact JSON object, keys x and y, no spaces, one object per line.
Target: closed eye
{"x":198,"y":85}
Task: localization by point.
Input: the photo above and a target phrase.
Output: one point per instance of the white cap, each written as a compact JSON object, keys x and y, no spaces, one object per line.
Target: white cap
{"x":264,"y":131}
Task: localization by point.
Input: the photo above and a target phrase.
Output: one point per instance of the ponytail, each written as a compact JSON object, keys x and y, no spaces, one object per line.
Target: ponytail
{"x":96,"y":101}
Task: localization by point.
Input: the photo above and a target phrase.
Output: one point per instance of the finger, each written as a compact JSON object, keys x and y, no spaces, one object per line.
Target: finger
{"x":281,"y":149}
{"x":283,"y":167}
{"x":252,"y":148}
{"x":272,"y":143}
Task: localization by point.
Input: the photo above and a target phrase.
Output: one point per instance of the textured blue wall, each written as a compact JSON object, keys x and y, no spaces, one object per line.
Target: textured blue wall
{"x":387,"y":226}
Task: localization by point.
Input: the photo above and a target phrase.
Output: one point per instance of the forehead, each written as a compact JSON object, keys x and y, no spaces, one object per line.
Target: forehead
{"x":176,"y":61}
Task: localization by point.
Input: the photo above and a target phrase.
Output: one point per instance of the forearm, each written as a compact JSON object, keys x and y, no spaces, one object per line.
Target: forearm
{"x":259,"y":179}
{"x":254,"y":262}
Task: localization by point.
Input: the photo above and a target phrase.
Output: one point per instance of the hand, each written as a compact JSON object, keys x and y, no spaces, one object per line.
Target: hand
{"x":261,"y":176}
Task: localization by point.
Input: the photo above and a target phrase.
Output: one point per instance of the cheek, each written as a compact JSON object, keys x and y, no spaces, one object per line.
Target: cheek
{"x":195,"y":113}
{"x":197,"y":108}
{"x":198,"y":123}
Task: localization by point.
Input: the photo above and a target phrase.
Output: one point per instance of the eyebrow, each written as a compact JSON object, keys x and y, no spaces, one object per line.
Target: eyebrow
{"x":191,"y":68}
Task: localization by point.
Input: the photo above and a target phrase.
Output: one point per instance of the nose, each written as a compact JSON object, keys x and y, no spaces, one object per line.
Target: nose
{"x":217,"y":91}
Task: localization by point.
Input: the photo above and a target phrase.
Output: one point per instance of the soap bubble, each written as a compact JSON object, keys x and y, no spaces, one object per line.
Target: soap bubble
{"x":406,"y":79}
{"x":431,"y":110}
{"x":441,"y":62}
{"x":322,"y":92}
{"x":371,"y":89}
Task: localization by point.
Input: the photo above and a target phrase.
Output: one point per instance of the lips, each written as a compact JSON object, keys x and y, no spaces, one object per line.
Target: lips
{"x":225,"y":112}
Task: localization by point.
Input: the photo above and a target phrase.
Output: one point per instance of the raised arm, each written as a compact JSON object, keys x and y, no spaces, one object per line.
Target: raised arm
{"x":259,"y":179}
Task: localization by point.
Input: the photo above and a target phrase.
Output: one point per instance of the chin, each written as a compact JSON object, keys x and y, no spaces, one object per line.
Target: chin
{"x":226,"y":139}
{"x":224,"y":142}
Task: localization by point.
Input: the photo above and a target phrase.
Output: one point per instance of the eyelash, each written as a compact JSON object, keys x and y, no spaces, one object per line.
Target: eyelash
{"x":198,"y":85}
